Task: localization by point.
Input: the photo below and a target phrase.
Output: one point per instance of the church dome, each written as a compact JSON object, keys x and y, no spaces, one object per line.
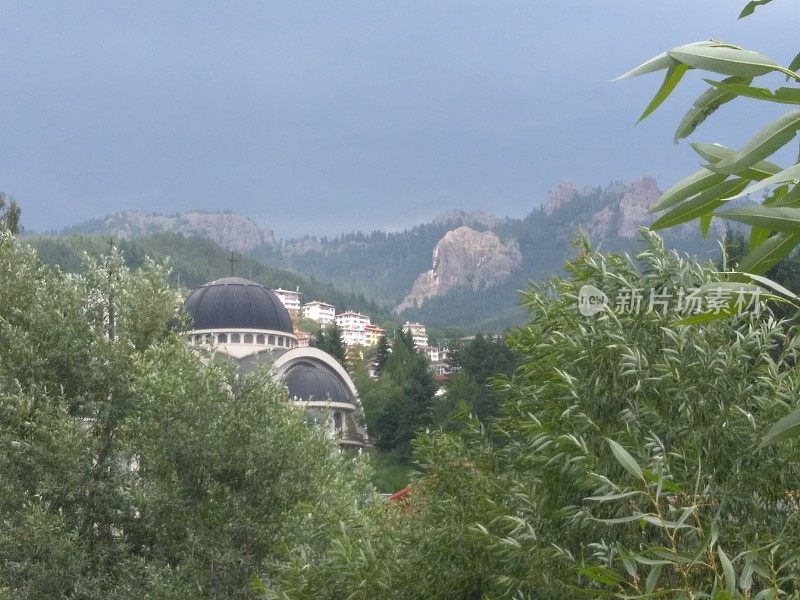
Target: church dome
{"x":311,"y":382}
{"x":236,"y":303}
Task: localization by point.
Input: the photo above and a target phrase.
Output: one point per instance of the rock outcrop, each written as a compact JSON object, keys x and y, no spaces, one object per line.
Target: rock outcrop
{"x":464,"y":257}
{"x":563,"y":193}
{"x":229,"y":230}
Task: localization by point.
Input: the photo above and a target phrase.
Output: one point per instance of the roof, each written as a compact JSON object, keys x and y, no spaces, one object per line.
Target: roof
{"x":319,"y":303}
{"x":308,"y":381}
{"x":236,"y":303}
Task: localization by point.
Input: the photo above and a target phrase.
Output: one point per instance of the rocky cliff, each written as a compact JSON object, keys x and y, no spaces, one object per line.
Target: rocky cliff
{"x":231,"y":231}
{"x":464,"y":257}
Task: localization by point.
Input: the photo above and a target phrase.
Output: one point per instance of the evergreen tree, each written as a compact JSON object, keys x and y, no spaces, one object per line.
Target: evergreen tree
{"x":382,"y":353}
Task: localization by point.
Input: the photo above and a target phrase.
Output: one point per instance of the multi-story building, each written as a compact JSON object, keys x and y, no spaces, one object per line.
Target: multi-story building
{"x":322,"y":313}
{"x":354,"y":337}
{"x":418,"y":332}
{"x":290,"y":299}
{"x":353,"y":326}
{"x":352,"y":320}
{"x":373,"y":334}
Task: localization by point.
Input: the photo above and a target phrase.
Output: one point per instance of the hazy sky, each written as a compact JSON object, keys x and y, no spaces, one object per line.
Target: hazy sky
{"x":331,"y":116}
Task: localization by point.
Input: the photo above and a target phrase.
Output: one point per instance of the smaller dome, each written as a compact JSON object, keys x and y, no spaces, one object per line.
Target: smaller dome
{"x":311,"y":382}
{"x":236,"y":303}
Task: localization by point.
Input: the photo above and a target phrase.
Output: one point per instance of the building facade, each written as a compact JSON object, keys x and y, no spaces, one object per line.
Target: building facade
{"x":290,"y":299}
{"x":373,"y":333}
{"x":418,"y":332}
{"x":322,"y":313}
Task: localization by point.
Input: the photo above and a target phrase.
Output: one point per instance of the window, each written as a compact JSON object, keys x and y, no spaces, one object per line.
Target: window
{"x":280,"y":340}
{"x":337,"y":420}
{"x":260,"y":339}
{"x":272,"y":340}
{"x":236,"y":338}
{"x":248,"y":338}
{"x":222,"y":338}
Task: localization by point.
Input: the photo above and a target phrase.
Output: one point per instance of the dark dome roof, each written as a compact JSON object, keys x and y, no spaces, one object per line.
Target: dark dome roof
{"x":236,"y":303}
{"x":310,"y":382}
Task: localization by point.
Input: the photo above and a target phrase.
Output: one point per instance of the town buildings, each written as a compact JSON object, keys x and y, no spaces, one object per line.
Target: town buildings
{"x":321,"y":312}
{"x":290,"y":299}
{"x":418,"y":332}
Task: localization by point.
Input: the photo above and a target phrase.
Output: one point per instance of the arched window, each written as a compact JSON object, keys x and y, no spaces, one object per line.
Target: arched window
{"x":236,"y":338}
{"x":281,"y":340}
{"x":248,"y":338}
{"x":272,"y":340}
{"x":209,"y":339}
{"x":260,"y":339}
{"x":222,"y":338}
{"x":337,"y":420}
{"x":198,"y":339}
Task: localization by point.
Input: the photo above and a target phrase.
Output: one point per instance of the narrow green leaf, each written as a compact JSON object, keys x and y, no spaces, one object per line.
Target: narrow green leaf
{"x":751,"y":6}
{"x":705,"y":202}
{"x":775,"y":218}
{"x":765,"y":282}
{"x":746,"y":577}
{"x":790,"y":175}
{"x":725,"y":59}
{"x":783,"y":95}
{"x":625,"y":459}
{"x":758,"y":235}
{"x":765,"y":143}
{"x":652,"y":579}
{"x":788,"y":427}
{"x":686,"y":188}
{"x":769,"y":253}
{"x":795,"y":64}
{"x":609,"y":497}
{"x":714,"y":153}
{"x":673,"y":77}
{"x":705,"y":224}
{"x":706,"y":104}
{"x":657,"y":63}
{"x":620,"y":520}
{"x":790,"y":199}
{"x":728,"y":572}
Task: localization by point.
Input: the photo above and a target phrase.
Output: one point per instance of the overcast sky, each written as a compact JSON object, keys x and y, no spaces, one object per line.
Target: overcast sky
{"x":323,"y":117}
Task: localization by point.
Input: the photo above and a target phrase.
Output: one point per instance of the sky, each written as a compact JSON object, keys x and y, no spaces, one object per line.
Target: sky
{"x":326,"y":117}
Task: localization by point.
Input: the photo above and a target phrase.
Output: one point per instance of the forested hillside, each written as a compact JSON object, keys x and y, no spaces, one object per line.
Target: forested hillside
{"x":195,"y":260}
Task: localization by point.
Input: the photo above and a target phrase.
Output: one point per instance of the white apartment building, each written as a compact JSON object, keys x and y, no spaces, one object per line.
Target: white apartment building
{"x":352,"y":320}
{"x":290,"y":299}
{"x":418,"y":332}
{"x":354,"y":327}
{"x":354,"y":337}
{"x":322,"y":313}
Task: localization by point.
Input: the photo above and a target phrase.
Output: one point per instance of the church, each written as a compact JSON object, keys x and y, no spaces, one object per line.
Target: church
{"x":247,"y":323}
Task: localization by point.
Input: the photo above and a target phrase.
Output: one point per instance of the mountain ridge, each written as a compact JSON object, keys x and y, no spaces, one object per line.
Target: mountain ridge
{"x":482,"y":272}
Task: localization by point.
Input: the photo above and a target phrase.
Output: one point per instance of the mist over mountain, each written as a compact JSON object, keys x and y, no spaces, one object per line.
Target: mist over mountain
{"x":461,"y":268}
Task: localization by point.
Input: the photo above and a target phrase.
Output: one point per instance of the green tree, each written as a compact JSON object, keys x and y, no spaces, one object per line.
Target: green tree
{"x":10,"y":214}
{"x":382,"y":352}
{"x":132,"y":467}
{"x":329,"y":339}
{"x":400,"y":402}
{"x":624,"y":463}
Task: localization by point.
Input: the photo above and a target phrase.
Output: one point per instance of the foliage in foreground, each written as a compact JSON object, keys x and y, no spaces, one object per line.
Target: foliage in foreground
{"x":625,"y":463}
{"x":131,"y":468}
